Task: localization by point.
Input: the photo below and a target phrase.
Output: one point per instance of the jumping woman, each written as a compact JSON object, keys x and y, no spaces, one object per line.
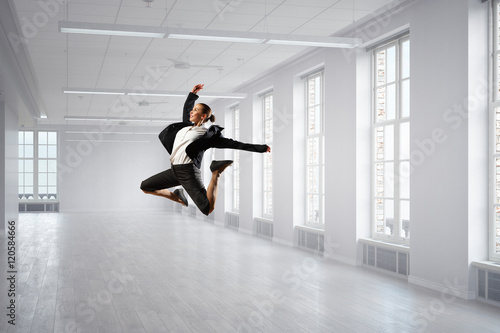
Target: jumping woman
{"x":186,"y":142}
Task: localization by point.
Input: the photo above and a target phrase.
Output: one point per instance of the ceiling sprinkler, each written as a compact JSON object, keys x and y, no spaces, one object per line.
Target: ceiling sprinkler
{"x":148,"y":2}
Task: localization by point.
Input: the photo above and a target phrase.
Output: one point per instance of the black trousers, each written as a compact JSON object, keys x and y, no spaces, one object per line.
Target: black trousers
{"x":186,"y":175}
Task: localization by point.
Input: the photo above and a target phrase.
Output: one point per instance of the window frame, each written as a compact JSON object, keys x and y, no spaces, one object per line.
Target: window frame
{"x":268,"y":156}
{"x":494,"y":207}
{"x":36,"y":167}
{"x":235,"y":110}
{"x":397,"y":123}
{"x":321,"y":138}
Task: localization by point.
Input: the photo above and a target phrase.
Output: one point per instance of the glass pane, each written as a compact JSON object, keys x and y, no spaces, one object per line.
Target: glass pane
{"x":21,"y":179}
{"x":42,"y":138}
{"x":313,"y":179}
{"x":497,"y":180}
{"x":405,"y":218}
{"x":313,"y":208}
{"x":313,"y":151}
{"x":52,"y":138}
{"x":497,"y":230}
{"x":391,"y":64}
{"x":28,"y":165}
{"x":28,"y":179}
{"x":379,"y":215}
{"x":42,"y":166}
{"x":404,"y":143}
{"x":268,"y":129}
{"x":405,"y":99}
{"x":21,"y":151}
{"x":379,"y":143}
{"x":28,"y":137}
{"x":379,"y":179}
{"x":391,"y":102}
{"x":52,"y":179}
{"x":52,"y":166}
{"x":389,"y":143}
{"x":389,"y":217}
{"x":52,"y":152}
{"x":20,"y":166}
{"x":497,"y":129}
{"x":380,"y":67}
{"x":317,"y":90}
{"x":381,"y":105}
{"x":498,"y":75}
{"x":404,"y":180}
{"x":28,"y":151}
{"x":42,"y":192}
{"x":42,"y":179}
{"x":405,"y":59}
{"x":42,"y":151}
{"x":20,"y":139}
{"x":28,"y":190}
{"x":317,"y":111}
{"x":389,"y":180}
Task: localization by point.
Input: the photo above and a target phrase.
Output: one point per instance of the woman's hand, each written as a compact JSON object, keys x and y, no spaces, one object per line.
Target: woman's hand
{"x":197,"y":88}
{"x":268,"y":149}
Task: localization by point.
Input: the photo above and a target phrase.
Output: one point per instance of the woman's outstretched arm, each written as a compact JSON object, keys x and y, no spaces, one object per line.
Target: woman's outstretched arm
{"x":223,"y":142}
{"x":190,"y":100}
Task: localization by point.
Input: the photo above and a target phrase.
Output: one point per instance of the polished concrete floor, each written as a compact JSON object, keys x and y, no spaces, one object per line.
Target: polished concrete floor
{"x":166,"y":272}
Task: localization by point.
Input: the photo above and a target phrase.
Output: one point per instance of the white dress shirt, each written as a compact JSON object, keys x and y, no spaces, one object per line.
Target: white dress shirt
{"x":183,"y":138}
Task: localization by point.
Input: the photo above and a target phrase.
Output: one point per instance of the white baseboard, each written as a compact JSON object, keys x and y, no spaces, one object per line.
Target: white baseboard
{"x":448,"y":287}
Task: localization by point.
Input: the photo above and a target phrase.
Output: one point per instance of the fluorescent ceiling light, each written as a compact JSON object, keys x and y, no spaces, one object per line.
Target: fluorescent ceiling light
{"x":314,"y":41}
{"x":228,"y":95}
{"x":153,"y":93}
{"x":130,"y":119}
{"x":93,"y":91}
{"x":207,"y":35}
{"x":82,"y":118}
{"x":110,"y":29}
{"x":307,"y":43}
{"x":158,"y":94}
{"x":218,"y":38}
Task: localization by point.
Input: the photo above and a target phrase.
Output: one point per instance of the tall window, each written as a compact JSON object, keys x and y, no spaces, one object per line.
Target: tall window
{"x":315,"y":164}
{"x":38,"y":165}
{"x":391,"y":141}
{"x":268,"y":158}
{"x":236,"y":158}
{"x":495,"y":148}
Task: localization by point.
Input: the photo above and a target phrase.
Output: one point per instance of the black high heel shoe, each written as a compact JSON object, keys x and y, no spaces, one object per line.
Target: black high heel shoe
{"x":218,"y":165}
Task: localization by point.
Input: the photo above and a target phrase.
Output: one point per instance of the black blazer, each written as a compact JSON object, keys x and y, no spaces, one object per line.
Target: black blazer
{"x":213,"y":138}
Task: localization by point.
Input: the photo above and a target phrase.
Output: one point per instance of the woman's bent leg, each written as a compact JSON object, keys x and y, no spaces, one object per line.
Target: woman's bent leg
{"x":158,"y":184}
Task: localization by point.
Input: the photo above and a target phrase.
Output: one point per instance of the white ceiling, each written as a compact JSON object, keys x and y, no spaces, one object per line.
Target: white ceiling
{"x":88,"y":61}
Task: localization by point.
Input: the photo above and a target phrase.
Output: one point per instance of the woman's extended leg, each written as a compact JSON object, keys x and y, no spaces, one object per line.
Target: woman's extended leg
{"x":214,"y":184}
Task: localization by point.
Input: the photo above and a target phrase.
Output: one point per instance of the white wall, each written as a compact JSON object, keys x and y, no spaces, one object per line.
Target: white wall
{"x":448,"y":141}
{"x":8,"y":169}
{"x":96,"y":175}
